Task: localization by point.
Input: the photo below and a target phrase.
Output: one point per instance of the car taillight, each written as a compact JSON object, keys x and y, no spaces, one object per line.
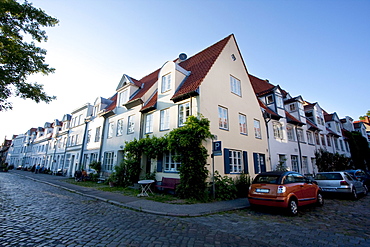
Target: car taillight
{"x":343,"y":183}
{"x":281,"y":189}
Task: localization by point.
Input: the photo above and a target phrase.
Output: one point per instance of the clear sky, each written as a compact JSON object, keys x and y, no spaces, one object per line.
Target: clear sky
{"x":319,"y":49}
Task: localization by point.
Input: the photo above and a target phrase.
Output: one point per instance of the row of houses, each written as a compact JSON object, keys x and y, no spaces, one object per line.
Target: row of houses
{"x":259,"y":125}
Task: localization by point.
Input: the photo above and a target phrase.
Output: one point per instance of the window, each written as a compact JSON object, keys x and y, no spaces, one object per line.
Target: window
{"x":317,"y":138}
{"x":120,"y":127}
{"x":131,"y":124}
{"x":269,"y":99}
{"x":235,"y":161}
{"x":94,"y":157}
{"x":341,"y":145}
{"x":336,"y":143}
{"x":279,"y":101}
{"x":304,"y":165}
{"x":149,"y":123}
{"x":165,"y":119}
{"x":97,"y":134}
{"x":278,"y":130}
{"x":76,"y":140}
{"x":294,"y":163}
{"x":171,"y":164}
{"x":323,"y":140}
{"x":166,"y":83}
{"x":235,"y":86}
{"x":309,"y":137}
{"x":123,"y":97}
{"x":108,"y":161}
{"x":257,"y":129}
{"x":110,"y":130}
{"x":259,"y":163}
{"x":290,"y":133}
{"x":184,"y":113}
{"x":328,"y":141}
{"x":292,"y":107}
{"x":282,"y":160}
{"x":243,"y":124}
{"x":223,"y":121}
{"x":88,"y":136}
{"x":300,"y":135}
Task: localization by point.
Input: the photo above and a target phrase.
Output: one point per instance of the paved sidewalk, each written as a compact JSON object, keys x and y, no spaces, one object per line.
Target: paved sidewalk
{"x":137,"y":203}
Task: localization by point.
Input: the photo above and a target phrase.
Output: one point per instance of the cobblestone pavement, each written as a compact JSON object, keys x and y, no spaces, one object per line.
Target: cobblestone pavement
{"x":37,"y":214}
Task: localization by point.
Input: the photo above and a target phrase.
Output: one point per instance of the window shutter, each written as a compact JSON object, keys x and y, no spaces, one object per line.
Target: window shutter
{"x":245,"y":161}
{"x":255,"y":160}
{"x":263,"y":165}
{"x":159,"y":163}
{"x":226,"y":161}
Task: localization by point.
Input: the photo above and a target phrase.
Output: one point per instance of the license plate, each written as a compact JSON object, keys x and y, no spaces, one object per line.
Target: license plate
{"x":328,"y":189}
{"x":262,"y":190}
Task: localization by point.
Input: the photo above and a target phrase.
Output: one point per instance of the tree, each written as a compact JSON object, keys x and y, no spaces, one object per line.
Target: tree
{"x":367,"y":115}
{"x":360,"y":151}
{"x":187,"y":143}
{"x":18,"y":58}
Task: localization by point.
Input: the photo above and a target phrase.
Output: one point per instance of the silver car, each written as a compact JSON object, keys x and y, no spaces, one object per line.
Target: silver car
{"x":340,"y":182}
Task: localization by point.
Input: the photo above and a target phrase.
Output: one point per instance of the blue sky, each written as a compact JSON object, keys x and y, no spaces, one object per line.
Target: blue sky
{"x":317,"y":49}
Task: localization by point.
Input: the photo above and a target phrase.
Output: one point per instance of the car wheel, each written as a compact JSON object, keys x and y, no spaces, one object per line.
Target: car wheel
{"x":319,"y":200}
{"x":292,"y":207}
{"x":354,"y":194}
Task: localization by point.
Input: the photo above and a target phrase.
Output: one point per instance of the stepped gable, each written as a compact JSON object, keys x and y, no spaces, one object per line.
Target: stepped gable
{"x":199,"y":66}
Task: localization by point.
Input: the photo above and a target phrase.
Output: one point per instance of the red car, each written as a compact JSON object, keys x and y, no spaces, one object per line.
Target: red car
{"x":284,"y":189}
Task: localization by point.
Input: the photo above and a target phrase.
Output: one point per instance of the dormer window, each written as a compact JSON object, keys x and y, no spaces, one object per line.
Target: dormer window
{"x":269,"y":99}
{"x":279,"y":101}
{"x":123,"y":97}
{"x":292,"y":107}
{"x":166,"y":83}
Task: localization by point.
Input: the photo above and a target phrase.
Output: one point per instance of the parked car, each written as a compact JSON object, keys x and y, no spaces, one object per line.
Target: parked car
{"x":340,"y":182}
{"x":360,"y":175}
{"x":288,"y":190}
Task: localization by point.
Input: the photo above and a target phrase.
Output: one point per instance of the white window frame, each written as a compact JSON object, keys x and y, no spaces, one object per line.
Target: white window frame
{"x":131,"y":124}
{"x":235,"y":161}
{"x":235,"y":86}
{"x":170,"y":165}
{"x":223,"y":119}
{"x":309,"y":137}
{"x":108,"y":161}
{"x":110,"y":130}
{"x":120,"y":127}
{"x":294,"y":162}
{"x":97,"y":134}
{"x":149,"y":123}
{"x":166,"y":83}
{"x":184,"y":113}
{"x":278,"y":130}
{"x":243,"y":124}
{"x":290,"y":132}
{"x":123,"y":97}
{"x":257,"y":129}
{"x":164,"y":123}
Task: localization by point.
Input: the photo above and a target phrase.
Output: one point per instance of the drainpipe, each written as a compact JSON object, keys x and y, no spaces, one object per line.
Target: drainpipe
{"x":83,"y":145}
{"x":299,"y":149}
{"x":101,"y":140}
{"x":265,"y":117}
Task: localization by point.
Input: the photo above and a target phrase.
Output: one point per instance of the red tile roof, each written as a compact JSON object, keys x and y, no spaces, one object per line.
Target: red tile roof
{"x":113,"y":104}
{"x":150,"y":104}
{"x":273,"y":114}
{"x":199,"y":66}
{"x":145,"y":83}
{"x":312,"y":125}
{"x":292,"y":119}
{"x":260,"y":86}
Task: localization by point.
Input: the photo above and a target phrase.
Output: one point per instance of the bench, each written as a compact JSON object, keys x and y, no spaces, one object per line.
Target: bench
{"x":169,"y":183}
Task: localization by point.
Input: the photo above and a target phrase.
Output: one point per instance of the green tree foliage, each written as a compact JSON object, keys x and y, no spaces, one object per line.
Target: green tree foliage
{"x":326,"y":161}
{"x":360,"y":152}
{"x":20,"y":59}
{"x":367,"y":115}
{"x":187,"y":143}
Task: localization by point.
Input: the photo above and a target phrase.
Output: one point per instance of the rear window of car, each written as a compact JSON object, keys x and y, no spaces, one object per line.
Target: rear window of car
{"x":266,"y":179}
{"x":328,"y":176}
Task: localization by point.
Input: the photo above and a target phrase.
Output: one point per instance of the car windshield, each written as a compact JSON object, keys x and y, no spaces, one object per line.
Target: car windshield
{"x":328,"y":176}
{"x":266,"y":179}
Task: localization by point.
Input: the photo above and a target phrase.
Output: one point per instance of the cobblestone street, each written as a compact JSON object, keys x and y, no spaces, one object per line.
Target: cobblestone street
{"x":37,"y":214}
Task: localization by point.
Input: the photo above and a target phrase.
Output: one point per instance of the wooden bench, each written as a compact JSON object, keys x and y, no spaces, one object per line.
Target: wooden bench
{"x":169,"y":183}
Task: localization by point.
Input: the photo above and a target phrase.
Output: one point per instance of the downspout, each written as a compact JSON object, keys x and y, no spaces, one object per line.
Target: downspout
{"x":268,"y":116}
{"x":101,"y":140}
{"x":299,"y":149}
{"x":83,"y":146}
